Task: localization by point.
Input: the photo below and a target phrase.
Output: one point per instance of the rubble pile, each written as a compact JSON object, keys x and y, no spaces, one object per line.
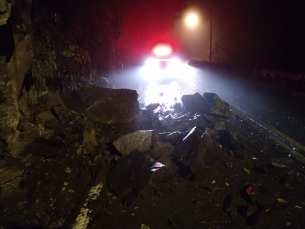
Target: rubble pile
{"x":94,"y":159}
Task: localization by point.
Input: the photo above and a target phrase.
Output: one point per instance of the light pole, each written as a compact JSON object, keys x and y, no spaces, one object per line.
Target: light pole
{"x":192,"y":21}
{"x":211,"y":12}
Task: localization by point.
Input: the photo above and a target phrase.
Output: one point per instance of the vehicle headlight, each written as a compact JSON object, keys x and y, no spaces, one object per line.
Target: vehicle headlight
{"x":152,"y":63}
{"x":174,"y":63}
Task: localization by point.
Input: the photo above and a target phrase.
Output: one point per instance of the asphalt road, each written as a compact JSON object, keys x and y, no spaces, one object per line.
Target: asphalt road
{"x":281,"y":113}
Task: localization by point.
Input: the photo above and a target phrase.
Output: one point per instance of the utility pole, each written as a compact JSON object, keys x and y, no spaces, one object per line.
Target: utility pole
{"x":211,"y":12}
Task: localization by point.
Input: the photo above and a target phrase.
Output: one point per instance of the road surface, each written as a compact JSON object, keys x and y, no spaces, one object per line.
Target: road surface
{"x":280,"y":113}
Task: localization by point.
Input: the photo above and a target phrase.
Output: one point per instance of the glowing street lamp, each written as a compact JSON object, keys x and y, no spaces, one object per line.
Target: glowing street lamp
{"x":192,"y":20}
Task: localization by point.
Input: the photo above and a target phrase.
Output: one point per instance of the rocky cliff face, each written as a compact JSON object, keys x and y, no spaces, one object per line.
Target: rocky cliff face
{"x":16,"y":59}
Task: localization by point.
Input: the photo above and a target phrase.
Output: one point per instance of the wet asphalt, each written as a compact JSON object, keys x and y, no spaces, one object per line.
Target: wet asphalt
{"x":282,"y":111}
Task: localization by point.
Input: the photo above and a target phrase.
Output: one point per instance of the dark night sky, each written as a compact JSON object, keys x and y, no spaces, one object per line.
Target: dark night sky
{"x":268,"y":33}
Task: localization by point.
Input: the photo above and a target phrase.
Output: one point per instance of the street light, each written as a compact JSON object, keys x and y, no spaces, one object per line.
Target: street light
{"x":192,"y":20}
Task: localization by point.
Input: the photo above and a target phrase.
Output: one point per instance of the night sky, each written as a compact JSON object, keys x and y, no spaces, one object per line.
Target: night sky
{"x":262,"y":33}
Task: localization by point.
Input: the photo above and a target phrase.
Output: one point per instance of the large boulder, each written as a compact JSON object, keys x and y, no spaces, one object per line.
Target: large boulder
{"x":188,"y":143}
{"x":207,"y":156}
{"x":160,"y":149}
{"x":104,"y":105}
{"x":196,"y":103}
{"x":219,"y":107}
{"x":48,"y":101}
{"x":47,"y":148}
{"x":209,"y":103}
{"x":141,"y":140}
{"x":138,"y":175}
{"x":131,"y":176}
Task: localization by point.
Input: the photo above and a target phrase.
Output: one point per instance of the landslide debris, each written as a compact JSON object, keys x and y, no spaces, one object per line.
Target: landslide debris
{"x":94,"y":159}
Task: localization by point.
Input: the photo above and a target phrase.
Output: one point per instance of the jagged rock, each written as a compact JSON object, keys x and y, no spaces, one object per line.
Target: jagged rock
{"x":174,"y":137}
{"x":178,"y":107}
{"x":17,"y":148}
{"x":29,"y":130}
{"x":71,"y":138}
{"x":196,"y":103}
{"x":152,"y":106}
{"x":165,"y":173}
{"x":219,"y":107}
{"x":49,"y":101}
{"x":122,"y":129}
{"x":104,"y":105}
{"x":45,"y":195}
{"x":220,"y":125}
{"x":146,"y":124}
{"x":89,"y":141}
{"x":46,"y":116}
{"x":188,"y":144}
{"x":211,"y":133}
{"x":141,"y":140}
{"x":61,"y":129}
{"x":161,"y":145}
{"x":50,"y":133}
{"x":48,"y":148}
{"x":5,"y":9}
{"x":201,"y":122}
{"x":161,"y":126}
{"x":211,"y":119}
{"x":61,"y":114}
{"x":131,"y":175}
{"x":206,"y":156}
{"x":87,"y":209}
{"x":184,"y":125}
{"x":160,"y":149}
{"x":10,"y":169}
